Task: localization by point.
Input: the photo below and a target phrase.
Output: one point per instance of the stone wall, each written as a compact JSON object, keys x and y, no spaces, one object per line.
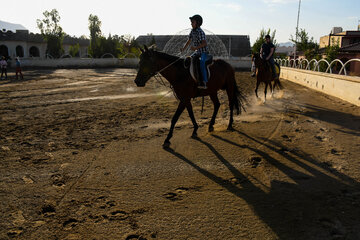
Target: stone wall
{"x":344,"y":87}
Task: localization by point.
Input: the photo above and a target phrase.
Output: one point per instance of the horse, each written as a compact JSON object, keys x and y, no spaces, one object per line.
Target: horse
{"x":185,"y":88}
{"x":264,"y":74}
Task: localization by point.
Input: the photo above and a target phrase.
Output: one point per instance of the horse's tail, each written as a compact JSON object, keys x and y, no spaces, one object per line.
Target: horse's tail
{"x":239,"y":99}
{"x":277,"y":80}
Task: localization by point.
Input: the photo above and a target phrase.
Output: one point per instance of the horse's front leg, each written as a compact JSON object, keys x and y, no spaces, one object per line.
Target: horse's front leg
{"x":214,"y":98}
{"x":192,"y":117}
{"x":175,"y":118}
{"x":271,"y":89}
{"x":266,"y":85}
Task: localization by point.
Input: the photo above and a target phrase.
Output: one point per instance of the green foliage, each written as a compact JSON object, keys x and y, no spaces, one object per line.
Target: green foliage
{"x":118,"y":46}
{"x":95,"y":35}
{"x":261,"y":39}
{"x":332,"y":51}
{"x":52,"y":32}
{"x":306,"y":44}
{"x":74,"y":50}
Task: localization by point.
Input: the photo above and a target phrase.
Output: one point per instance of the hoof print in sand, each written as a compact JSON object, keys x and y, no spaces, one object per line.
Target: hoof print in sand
{"x":177,"y":194}
{"x":135,"y":237}
{"x":48,"y":210}
{"x":58,"y":180}
{"x":118,"y":215}
{"x":255,"y":161}
{"x":70,"y":223}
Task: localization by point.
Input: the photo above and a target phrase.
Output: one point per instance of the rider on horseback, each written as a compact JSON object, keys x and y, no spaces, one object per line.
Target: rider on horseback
{"x":197,"y":36}
{"x":267,"y":52}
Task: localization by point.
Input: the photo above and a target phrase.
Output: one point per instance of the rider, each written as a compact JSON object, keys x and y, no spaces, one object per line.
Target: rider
{"x":267,"y":52}
{"x":197,"y":36}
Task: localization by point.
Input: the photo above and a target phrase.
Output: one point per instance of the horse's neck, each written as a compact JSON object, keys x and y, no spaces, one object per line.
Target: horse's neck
{"x":167,"y":67}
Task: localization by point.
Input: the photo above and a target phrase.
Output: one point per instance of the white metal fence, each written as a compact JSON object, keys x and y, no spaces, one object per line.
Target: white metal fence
{"x":314,"y":65}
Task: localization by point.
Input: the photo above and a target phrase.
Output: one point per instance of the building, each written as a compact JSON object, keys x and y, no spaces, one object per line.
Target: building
{"x":24,"y":44}
{"x":351,"y":52}
{"x":236,"y":45}
{"x":340,"y":37}
{"x":349,"y":47}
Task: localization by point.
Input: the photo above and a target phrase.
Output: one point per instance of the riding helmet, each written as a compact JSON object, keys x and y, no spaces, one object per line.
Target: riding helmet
{"x":198,"y":19}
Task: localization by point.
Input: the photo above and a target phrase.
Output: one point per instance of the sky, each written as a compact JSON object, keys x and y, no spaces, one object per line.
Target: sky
{"x":162,"y":17}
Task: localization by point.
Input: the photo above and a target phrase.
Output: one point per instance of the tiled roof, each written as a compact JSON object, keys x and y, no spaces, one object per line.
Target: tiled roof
{"x":351,"y":48}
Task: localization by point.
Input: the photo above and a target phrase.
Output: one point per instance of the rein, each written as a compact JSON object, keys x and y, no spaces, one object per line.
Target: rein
{"x":160,"y":80}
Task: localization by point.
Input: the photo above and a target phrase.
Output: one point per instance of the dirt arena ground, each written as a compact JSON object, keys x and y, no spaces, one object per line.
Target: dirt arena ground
{"x":81,"y":158}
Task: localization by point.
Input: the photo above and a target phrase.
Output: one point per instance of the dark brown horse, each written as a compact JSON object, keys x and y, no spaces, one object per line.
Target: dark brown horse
{"x":172,"y":68}
{"x":264,"y":74}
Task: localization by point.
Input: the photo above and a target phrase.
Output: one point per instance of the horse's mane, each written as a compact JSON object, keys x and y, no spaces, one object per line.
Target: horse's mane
{"x":166,"y":56}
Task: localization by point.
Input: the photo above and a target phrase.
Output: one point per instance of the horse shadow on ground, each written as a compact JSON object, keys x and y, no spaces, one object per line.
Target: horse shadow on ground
{"x":344,"y":120}
{"x":316,"y":206}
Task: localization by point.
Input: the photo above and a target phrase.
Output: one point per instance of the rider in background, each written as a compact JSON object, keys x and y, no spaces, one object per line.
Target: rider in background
{"x":267,"y":52}
{"x":197,"y":36}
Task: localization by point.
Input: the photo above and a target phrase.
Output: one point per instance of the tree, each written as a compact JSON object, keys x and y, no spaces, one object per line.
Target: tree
{"x":74,"y":50}
{"x":52,"y":32}
{"x":332,"y":51}
{"x":306,"y":44}
{"x":261,"y":39}
{"x":95,"y":35}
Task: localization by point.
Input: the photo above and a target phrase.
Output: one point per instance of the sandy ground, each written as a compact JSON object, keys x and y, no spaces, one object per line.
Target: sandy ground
{"x":81,"y":158}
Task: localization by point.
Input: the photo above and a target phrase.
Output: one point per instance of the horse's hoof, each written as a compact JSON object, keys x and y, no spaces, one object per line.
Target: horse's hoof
{"x":194,"y":136}
{"x":166,"y":144}
{"x":230,"y":128}
{"x":211,"y":129}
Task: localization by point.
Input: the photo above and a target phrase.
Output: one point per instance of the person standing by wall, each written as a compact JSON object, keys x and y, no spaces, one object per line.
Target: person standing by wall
{"x":18,"y":69}
{"x":3,"y":64}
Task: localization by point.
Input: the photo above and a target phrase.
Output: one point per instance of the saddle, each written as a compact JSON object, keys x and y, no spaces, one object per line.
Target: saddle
{"x":193,"y":62}
{"x":268,"y":67}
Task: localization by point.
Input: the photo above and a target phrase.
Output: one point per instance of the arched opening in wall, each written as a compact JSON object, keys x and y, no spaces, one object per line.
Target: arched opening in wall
{"x":4,"y":51}
{"x":19,"y":51}
{"x":34,"y":52}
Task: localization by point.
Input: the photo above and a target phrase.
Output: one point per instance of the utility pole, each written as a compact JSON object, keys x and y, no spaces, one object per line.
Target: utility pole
{"x":297,"y":30}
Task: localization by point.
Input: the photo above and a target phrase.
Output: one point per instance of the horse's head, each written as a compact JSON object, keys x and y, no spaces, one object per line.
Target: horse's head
{"x":256,"y":59}
{"x":147,"y":67}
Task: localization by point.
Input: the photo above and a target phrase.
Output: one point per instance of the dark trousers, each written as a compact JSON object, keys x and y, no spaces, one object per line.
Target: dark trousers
{"x":3,"y":70}
{"x":272,"y":65}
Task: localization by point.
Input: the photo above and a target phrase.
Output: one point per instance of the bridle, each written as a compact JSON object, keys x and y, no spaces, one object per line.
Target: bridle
{"x":160,"y":79}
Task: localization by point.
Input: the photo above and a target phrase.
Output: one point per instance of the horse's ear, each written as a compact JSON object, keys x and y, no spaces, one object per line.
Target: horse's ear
{"x":146,"y":48}
{"x":153,"y":47}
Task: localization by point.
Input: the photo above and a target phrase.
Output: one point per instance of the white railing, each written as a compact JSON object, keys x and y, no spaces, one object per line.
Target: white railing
{"x":306,"y":64}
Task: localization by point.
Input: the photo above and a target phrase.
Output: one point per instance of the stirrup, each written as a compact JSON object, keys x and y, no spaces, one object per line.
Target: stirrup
{"x":202,"y":86}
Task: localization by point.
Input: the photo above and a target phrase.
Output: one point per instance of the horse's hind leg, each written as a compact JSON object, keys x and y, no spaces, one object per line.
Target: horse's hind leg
{"x":265,"y":91}
{"x":256,"y":89}
{"x":232,"y":98}
{"x":214,"y":98}
{"x":192,"y":117}
{"x":176,"y":116}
